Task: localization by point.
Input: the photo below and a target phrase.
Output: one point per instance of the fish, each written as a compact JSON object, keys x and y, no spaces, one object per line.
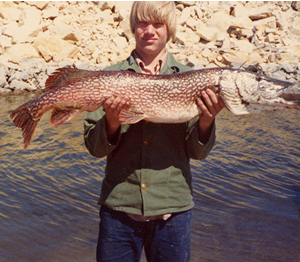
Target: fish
{"x":155,"y":98}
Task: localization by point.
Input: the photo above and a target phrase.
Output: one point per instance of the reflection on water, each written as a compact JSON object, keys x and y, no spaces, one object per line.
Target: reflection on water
{"x":247,"y":192}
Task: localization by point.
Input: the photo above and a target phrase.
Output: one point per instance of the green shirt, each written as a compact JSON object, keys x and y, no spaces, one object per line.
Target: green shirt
{"x":148,"y":167}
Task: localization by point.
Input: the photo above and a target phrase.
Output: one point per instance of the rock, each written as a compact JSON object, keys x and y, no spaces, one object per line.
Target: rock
{"x":240,"y":10}
{"x":241,"y":22}
{"x":220,"y":21}
{"x":262,"y":24}
{"x":296,"y":5}
{"x":120,"y":42}
{"x":30,"y":17}
{"x":187,"y":3}
{"x":21,"y":85}
{"x":38,"y":4}
{"x":194,"y":24}
{"x":50,"y":12}
{"x":123,"y":9}
{"x":9,"y":11}
{"x":20,"y":52}
{"x":243,"y":45}
{"x":124,"y":24}
{"x":3,"y":74}
{"x":66,"y":32}
{"x":260,"y":12}
{"x":13,"y":30}
{"x":5,"y":41}
{"x":254,"y":58}
{"x":49,"y":46}
{"x":288,"y":68}
{"x":235,"y":58}
{"x":207,"y":33}
{"x":295,"y":27}
{"x":38,"y":37}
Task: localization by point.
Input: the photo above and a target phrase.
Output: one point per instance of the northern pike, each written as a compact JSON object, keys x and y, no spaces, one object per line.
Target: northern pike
{"x":155,"y":98}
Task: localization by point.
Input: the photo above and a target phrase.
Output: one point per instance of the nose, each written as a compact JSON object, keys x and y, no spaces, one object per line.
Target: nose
{"x":149,"y":29}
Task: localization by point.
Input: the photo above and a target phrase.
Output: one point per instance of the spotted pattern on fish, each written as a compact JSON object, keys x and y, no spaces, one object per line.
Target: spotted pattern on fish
{"x":155,"y":98}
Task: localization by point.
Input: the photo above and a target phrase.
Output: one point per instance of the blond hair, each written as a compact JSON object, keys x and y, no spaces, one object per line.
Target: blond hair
{"x":151,"y":11}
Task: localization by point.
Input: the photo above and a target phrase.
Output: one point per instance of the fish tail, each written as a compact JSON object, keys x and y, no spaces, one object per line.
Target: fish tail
{"x":23,"y":119}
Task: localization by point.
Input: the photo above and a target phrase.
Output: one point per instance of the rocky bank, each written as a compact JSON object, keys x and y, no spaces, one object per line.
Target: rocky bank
{"x":38,"y":37}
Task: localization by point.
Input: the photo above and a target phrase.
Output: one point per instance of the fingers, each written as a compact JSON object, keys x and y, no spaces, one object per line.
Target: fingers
{"x":115,"y":104}
{"x":210,"y":103}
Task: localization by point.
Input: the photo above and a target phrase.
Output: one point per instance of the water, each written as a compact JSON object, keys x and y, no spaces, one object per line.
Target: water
{"x":247,"y":192}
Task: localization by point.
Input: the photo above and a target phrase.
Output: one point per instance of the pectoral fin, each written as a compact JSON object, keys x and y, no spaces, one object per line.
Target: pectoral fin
{"x":233,"y":101}
{"x":128,"y":116}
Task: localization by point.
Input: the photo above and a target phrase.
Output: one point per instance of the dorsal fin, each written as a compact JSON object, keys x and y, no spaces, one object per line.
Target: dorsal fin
{"x":61,"y":76}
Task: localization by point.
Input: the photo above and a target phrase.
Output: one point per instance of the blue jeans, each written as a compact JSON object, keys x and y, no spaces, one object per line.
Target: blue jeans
{"x":121,"y":239}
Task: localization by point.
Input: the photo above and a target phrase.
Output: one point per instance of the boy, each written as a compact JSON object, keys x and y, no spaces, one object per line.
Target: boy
{"x":146,"y":195}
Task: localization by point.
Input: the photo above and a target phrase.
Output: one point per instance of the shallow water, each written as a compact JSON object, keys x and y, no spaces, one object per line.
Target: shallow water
{"x":247,"y":192}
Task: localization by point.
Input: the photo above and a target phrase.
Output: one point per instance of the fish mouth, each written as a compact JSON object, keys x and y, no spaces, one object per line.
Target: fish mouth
{"x":291,"y":93}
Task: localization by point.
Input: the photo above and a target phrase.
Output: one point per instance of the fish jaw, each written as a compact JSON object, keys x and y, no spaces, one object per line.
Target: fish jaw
{"x":247,"y":93}
{"x":291,"y":93}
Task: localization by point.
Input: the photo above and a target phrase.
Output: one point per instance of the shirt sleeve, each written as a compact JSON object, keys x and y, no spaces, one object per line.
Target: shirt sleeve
{"x":195,"y":148}
{"x":95,"y":136}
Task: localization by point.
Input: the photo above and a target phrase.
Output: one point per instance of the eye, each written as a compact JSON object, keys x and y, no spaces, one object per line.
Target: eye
{"x":158,"y":25}
{"x":142,"y":23}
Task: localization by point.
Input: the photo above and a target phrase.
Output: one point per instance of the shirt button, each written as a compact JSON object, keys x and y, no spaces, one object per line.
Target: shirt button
{"x":146,"y":142}
{"x":144,"y":186}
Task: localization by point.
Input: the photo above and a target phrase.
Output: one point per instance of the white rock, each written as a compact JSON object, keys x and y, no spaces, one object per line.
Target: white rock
{"x":260,"y":12}
{"x":13,"y":30}
{"x":194,"y":24}
{"x":5,"y":41}
{"x":262,"y":24}
{"x":120,"y":42}
{"x":254,"y":58}
{"x":9,"y":11}
{"x":220,"y":21}
{"x":30,"y":17}
{"x":295,"y":27}
{"x":50,"y":12}
{"x":66,"y":32}
{"x":3,"y":75}
{"x":49,"y":46}
{"x":241,"y":22}
{"x":21,"y":85}
{"x":18,"y":52}
{"x":235,"y":58}
{"x":240,"y":10}
{"x":123,"y":8}
{"x":243,"y":45}
{"x":187,"y":3}
{"x":207,"y":33}
{"x":38,"y":4}
{"x":185,"y":15}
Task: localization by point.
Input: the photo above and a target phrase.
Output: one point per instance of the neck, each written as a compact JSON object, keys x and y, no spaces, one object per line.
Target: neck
{"x":150,"y":60}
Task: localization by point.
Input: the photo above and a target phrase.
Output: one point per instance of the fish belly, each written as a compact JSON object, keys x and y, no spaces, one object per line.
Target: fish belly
{"x":178,"y":115}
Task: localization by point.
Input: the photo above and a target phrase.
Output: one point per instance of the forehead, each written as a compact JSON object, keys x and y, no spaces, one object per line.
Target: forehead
{"x":147,"y":16}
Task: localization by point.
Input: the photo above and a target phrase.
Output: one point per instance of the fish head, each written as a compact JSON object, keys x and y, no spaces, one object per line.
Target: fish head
{"x":252,"y":93}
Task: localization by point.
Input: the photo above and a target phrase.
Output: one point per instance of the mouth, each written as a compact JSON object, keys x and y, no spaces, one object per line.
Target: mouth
{"x":149,"y":40}
{"x":291,"y":93}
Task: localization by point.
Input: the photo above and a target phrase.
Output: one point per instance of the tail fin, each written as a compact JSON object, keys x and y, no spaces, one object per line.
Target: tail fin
{"x":23,"y":119}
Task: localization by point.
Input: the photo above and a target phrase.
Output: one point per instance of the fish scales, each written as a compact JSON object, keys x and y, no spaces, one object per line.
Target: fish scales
{"x":155,"y":98}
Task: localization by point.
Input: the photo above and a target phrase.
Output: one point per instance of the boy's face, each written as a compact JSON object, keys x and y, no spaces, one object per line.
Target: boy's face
{"x":151,"y":37}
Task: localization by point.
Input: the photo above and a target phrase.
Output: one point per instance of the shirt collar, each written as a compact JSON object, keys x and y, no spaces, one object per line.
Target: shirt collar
{"x":170,"y":66}
{"x":144,"y":69}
